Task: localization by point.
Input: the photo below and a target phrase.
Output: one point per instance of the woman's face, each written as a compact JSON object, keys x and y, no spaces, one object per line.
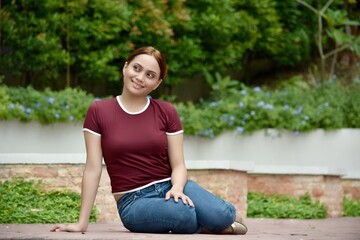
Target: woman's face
{"x":141,"y":75}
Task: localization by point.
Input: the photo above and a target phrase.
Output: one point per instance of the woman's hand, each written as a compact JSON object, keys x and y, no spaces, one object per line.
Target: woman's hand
{"x":179,"y":194}
{"x":68,"y":228}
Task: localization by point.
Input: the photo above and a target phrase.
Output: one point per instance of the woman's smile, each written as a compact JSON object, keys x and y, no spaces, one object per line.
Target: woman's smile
{"x":137,"y":84}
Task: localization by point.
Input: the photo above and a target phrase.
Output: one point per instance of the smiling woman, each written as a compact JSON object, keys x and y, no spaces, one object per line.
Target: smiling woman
{"x":141,"y":141}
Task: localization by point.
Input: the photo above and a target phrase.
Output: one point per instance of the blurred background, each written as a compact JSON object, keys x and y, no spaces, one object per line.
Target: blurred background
{"x":83,"y":43}
{"x":233,"y":64}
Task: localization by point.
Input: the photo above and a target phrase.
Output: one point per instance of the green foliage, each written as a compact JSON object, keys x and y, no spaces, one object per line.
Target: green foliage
{"x":28,"y":48}
{"x":42,"y":39}
{"x":27,"y":104}
{"x":25,"y":202}
{"x":294,"y":105}
{"x":279,"y":206}
{"x":351,"y":207}
{"x":60,"y":44}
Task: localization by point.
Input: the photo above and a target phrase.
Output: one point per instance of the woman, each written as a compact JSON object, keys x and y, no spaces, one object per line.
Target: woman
{"x":141,"y":141}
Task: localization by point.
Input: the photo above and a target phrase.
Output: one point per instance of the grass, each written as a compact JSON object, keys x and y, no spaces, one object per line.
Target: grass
{"x":280,"y":206}
{"x":26,"y":202}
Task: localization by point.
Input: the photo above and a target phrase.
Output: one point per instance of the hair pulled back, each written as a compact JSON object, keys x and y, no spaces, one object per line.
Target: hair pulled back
{"x":149,"y":50}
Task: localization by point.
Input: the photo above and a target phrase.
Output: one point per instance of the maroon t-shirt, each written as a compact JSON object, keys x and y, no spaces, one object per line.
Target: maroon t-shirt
{"x":134,"y":145}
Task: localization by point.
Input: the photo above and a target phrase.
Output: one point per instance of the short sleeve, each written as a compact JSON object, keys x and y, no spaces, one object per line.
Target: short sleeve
{"x":173,"y":125}
{"x":91,"y":123}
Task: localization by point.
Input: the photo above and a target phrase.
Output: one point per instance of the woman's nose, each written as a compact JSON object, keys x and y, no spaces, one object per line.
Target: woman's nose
{"x":140,"y":77}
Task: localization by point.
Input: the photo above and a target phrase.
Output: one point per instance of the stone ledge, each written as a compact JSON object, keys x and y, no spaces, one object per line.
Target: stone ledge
{"x":219,"y":164}
{"x":313,"y":170}
{"x":42,"y":158}
{"x":79,"y":158}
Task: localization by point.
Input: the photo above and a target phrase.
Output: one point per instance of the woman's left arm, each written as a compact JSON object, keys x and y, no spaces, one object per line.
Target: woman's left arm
{"x":179,"y":172}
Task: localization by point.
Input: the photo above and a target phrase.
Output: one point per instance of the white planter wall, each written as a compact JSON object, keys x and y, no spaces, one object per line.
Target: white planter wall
{"x":317,"y":152}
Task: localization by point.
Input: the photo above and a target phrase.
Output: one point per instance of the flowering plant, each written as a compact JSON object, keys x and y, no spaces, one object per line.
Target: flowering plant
{"x":294,"y":105}
{"x":28,"y":104}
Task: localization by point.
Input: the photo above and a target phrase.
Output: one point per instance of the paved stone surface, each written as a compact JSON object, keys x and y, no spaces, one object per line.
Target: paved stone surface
{"x":265,"y":229}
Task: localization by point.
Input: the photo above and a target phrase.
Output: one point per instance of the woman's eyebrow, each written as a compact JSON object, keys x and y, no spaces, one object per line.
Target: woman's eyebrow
{"x":136,"y":63}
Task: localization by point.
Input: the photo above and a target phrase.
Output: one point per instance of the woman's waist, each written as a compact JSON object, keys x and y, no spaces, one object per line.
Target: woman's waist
{"x":118,"y":195}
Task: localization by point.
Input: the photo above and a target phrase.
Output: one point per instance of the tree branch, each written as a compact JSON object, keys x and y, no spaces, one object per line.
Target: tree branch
{"x":308,"y":6}
{"x":336,"y":50}
{"x":327,"y":5}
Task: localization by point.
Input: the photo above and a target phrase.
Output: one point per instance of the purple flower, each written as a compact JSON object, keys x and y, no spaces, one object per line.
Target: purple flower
{"x":213,"y":104}
{"x":27,"y":111}
{"x":241,"y":104}
{"x":260,"y":104}
{"x":71,"y":118}
{"x":243,"y":92}
{"x":268,"y":106}
{"x":298,"y":111}
{"x":56,"y":115}
{"x":257,"y":89}
{"x":240,"y":129}
{"x":51,"y":100}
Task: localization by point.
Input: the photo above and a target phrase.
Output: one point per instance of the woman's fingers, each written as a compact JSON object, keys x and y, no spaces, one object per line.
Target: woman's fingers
{"x":67,"y":228}
{"x":58,"y":228}
{"x":185,"y":199}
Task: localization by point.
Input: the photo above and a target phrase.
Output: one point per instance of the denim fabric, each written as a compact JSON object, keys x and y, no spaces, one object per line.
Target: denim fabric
{"x":146,"y":210}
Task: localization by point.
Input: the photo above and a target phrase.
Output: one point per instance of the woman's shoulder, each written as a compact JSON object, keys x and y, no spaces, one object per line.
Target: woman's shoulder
{"x":162,"y":104}
{"x":104,"y":103}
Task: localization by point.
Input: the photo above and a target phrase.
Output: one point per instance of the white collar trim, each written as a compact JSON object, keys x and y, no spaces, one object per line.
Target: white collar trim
{"x":133,"y":113}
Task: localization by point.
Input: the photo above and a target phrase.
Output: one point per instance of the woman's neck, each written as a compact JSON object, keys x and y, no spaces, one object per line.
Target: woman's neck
{"x":132,"y":103}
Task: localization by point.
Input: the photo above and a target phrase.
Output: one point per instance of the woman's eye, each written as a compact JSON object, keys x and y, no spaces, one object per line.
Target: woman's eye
{"x":151,"y":75}
{"x":137,"y":68}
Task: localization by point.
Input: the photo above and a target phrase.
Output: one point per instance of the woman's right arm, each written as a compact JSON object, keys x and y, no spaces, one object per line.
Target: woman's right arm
{"x":90,"y":183}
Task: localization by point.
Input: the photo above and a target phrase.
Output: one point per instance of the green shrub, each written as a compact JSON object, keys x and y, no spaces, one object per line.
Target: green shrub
{"x":279,"y":206}
{"x":351,"y":207}
{"x":28,"y":104}
{"x":295,"y":106}
{"x":25,"y":202}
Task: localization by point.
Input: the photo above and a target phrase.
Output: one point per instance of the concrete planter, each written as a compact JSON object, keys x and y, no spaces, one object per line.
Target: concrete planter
{"x":264,"y":152}
{"x":325,"y":164}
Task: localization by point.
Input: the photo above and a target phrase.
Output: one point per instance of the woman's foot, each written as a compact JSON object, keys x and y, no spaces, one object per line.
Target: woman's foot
{"x":239,"y":228}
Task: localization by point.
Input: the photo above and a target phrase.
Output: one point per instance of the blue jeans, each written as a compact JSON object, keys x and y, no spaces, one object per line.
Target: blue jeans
{"x":146,"y":210}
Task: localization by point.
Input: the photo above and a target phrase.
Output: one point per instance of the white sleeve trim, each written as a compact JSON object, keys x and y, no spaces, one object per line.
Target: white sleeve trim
{"x":90,"y":131}
{"x":175,"y":133}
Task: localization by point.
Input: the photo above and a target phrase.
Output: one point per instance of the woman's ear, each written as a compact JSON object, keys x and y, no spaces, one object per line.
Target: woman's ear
{"x":125,"y":66}
{"x":158,"y":84}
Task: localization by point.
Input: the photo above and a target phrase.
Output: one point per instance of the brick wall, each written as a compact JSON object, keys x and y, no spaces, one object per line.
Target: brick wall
{"x":326,"y":189}
{"x":228,"y":184}
{"x":351,"y":188}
